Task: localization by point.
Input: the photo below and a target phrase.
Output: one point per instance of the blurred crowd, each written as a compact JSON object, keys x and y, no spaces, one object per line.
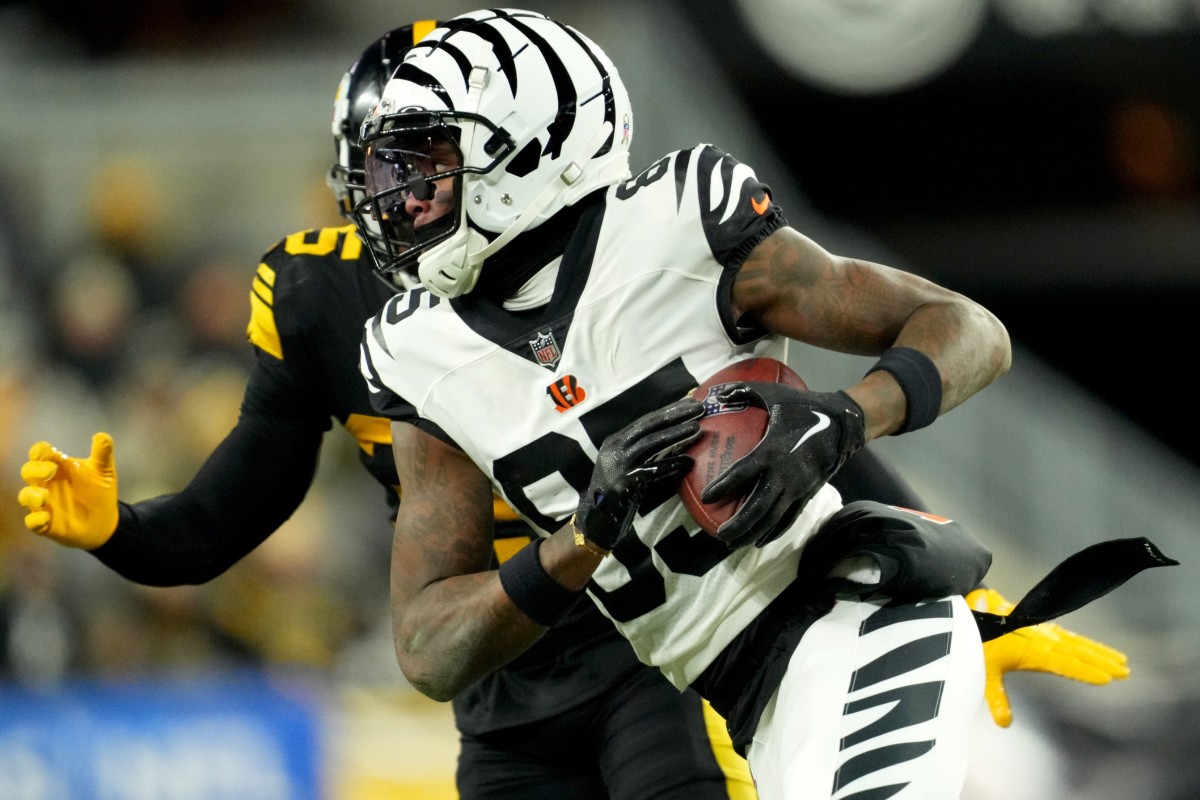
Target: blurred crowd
{"x":119,"y":332}
{"x":134,"y":324}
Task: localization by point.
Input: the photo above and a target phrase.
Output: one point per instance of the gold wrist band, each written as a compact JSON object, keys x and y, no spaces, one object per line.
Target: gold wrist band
{"x":581,"y":541}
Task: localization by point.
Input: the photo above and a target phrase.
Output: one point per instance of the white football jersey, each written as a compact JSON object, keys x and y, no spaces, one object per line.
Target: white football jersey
{"x":639,"y":317}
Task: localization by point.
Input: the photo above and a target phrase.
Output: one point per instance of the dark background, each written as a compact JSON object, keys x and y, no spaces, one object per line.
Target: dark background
{"x":1052,"y":180}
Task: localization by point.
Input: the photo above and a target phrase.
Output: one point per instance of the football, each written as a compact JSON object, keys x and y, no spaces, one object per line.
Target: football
{"x":727,"y":432}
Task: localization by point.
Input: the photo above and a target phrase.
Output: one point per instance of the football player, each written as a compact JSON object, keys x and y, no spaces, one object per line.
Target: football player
{"x":566,"y":311}
{"x":577,"y":715}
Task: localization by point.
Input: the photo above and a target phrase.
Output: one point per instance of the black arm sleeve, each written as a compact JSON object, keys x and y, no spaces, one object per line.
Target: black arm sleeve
{"x":248,"y":487}
{"x":866,"y":476}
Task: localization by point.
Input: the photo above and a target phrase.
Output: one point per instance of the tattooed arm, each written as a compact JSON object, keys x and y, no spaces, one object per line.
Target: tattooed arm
{"x":452,"y":622}
{"x":792,"y":286}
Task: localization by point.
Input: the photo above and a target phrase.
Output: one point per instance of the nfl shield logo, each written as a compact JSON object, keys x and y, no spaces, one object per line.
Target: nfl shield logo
{"x":545,"y":349}
{"x":714,"y":406}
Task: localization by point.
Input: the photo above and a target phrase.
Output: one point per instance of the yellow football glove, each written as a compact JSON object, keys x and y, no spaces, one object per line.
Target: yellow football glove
{"x":1040,"y":648}
{"x":71,"y":500}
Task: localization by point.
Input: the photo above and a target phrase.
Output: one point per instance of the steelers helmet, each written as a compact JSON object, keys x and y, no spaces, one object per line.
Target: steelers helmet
{"x":357,"y":93}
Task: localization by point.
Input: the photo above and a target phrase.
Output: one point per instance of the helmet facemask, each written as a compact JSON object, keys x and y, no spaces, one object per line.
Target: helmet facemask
{"x":414,"y":189}
{"x":345,"y":177}
{"x":357,"y":95}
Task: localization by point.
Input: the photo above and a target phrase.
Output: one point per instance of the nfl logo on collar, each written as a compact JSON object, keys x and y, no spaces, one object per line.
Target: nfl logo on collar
{"x":545,"y":349}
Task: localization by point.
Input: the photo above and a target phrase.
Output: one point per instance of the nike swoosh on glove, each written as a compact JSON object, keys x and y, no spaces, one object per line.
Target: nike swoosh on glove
{"x":809,"y":436}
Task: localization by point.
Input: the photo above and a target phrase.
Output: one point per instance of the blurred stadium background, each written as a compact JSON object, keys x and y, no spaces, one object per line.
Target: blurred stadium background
{"x":1039,"y":155}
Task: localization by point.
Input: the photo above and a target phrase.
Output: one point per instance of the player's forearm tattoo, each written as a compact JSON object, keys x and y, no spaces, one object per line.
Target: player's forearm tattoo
{"x":452,"y":622}
{"x":797,"y":289}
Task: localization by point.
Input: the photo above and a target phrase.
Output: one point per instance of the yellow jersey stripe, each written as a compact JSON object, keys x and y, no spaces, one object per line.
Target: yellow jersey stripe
{"x":352,"y":247}
{"x":507,"y":548}
{"x":261,"y":331}
{"x":369,"y":431}
{"x":265,"y":274}
{"x":738,"y":781}
{"x":502,"y":510}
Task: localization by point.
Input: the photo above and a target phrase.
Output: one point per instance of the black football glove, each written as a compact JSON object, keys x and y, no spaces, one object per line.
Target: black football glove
{"x":809,"y":436}
{"x":644,"y":453}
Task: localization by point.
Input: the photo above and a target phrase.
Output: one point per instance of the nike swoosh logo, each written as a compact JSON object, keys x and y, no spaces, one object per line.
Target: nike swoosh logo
{"x":822,"y":424}
{"x":760,"y":206}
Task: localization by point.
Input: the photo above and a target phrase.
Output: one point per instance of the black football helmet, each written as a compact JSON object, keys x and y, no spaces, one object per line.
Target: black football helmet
{"x":357,"y":94}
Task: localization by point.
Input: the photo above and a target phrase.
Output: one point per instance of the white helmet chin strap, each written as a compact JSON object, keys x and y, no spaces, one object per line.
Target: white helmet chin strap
{"x":445,"y":269}
{"x":451,"y":268}
{"x":568,"y":176}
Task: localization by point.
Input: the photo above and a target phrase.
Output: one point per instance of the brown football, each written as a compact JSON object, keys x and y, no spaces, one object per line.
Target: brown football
{"x":726,"y":434}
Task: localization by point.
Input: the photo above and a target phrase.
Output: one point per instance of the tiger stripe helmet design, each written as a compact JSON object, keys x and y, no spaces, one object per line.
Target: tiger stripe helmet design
{"x":533,"y":112}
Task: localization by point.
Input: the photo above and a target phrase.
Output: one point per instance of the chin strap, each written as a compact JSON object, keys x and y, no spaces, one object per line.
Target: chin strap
{"x":570,"y":175}
{"x":459,"y":251}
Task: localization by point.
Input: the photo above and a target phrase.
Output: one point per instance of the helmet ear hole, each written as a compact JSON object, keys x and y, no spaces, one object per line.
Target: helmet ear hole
{"x":526,"y":161}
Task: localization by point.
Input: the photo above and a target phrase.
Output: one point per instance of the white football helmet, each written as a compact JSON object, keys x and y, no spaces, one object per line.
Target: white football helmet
{"x":502,"y":115}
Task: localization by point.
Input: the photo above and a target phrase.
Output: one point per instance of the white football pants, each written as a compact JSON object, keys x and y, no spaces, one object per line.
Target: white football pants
{"x":877,"y":704}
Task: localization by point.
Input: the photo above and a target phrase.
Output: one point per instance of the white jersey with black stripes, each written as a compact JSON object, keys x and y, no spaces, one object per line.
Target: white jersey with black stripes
{"x":639,"y":316}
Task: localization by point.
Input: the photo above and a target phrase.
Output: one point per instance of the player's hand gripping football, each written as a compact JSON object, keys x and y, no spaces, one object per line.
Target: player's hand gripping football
{"x":644,"y":453}
{"x":809,"y":436}
{"x":1040,"y":648}
{"x":71,"y":500}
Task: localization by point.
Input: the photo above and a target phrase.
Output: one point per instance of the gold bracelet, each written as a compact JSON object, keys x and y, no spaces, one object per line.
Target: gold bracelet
{"x":581,"y":541}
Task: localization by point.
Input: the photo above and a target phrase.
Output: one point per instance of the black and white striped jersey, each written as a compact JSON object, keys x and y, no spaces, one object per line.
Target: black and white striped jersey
{"x":639,"y":316}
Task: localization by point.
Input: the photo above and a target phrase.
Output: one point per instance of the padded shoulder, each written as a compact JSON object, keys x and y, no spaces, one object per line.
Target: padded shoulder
{"x":292,"y":274}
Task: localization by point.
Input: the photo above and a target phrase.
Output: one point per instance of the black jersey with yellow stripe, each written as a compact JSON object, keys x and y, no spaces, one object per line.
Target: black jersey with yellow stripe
{"x":310,"y":295}
{"x":310,"y":299}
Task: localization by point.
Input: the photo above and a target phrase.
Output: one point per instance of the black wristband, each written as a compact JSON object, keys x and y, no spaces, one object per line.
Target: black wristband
{"x":525,"y":581}
{"x":920,"y":381}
